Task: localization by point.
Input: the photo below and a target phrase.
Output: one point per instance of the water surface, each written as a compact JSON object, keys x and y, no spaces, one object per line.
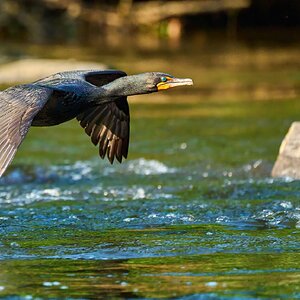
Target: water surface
{"x":192,"y":214}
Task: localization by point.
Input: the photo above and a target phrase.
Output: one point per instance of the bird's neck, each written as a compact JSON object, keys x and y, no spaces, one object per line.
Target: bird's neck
{"x":124,"y":86}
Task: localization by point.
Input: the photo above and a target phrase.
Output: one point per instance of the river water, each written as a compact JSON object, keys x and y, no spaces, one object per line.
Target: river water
{"x":192,"y":214}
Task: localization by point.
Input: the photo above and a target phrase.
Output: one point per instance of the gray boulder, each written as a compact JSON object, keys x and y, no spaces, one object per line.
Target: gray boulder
{"x":288,"y":160}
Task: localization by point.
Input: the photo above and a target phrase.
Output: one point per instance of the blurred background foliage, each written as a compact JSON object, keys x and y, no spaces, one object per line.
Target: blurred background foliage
{"x":109,"y":22}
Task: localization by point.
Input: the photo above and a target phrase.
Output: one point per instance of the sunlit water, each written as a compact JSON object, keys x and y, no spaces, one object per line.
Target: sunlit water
{"x":192,"y":214}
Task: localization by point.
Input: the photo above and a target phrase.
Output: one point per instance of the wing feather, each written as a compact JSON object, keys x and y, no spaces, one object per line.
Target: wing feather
{"x":100,"y":78}
{"x":18,"y":106}
{"x":108,"y":125}
{"x":95,"y":135}
{"x":119,"y":151}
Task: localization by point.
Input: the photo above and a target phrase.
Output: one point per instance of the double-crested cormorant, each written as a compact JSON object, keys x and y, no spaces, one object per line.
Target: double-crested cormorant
{"x":98,"y":99}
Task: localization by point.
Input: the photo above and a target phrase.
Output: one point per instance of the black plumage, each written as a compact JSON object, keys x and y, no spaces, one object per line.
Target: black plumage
{"x":98,"y":99}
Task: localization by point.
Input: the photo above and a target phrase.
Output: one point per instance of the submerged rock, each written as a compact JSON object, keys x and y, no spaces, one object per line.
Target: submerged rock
{"x":288,"y":160}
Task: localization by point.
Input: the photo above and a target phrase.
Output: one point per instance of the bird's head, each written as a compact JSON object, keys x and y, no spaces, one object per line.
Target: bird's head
{"x":157,"y":81}
{"x":143,"y":84}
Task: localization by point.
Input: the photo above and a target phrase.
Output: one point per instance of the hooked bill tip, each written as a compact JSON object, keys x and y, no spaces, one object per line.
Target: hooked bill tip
{"x":181,"y":81}
{"x":189,"y":81}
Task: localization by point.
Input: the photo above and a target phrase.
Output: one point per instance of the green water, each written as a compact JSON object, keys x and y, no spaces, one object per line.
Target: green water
{"x":192,"y":214}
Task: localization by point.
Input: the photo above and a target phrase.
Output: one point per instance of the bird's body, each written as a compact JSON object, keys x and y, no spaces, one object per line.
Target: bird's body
{"x":98,"y":99}
{"x":72,"y":94}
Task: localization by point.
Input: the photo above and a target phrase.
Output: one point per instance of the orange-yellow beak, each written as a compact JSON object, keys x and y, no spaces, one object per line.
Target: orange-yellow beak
{"x":174,"y":82}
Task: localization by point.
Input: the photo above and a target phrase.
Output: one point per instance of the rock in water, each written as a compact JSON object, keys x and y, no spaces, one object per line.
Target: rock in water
{"x":288,"y":160}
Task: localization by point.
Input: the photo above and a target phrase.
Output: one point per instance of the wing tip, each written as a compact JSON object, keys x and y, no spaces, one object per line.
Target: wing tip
{"x":6,"y":157}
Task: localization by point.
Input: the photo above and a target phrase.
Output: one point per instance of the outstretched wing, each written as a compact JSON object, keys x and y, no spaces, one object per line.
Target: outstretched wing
{"x":108,"y":125}
{"x":100,"y":78}
{"x":18,"y":106}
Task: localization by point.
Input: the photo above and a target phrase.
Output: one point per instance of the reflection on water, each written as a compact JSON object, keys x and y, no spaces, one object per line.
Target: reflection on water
{"x":197,"y":277}
{"x":192,"y":214}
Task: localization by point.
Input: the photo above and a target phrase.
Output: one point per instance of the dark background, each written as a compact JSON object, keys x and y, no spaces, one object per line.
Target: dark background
{"x":45,"y":21}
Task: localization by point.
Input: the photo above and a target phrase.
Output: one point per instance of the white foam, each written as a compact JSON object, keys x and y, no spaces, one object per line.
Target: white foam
{"x":143,"y":166}
{"x":76,"y":171}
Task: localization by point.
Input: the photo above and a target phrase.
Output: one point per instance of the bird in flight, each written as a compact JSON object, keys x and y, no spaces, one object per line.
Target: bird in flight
{"x":97,"y":99}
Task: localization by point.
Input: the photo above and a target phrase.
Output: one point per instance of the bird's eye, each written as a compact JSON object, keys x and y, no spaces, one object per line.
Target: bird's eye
{"x":163,"y":79}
